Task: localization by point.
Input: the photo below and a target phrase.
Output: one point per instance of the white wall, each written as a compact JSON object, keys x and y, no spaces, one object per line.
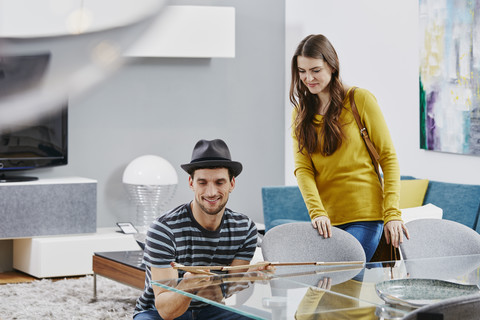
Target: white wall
{"x":377,"y":43}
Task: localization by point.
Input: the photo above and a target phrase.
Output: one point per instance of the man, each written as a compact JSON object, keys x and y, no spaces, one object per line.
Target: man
{"x":202,"y":232}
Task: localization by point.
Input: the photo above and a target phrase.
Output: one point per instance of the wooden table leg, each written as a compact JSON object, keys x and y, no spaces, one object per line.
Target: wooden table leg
{"x":117,"y":271}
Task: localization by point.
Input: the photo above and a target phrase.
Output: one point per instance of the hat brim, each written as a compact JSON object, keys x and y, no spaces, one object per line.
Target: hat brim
{"x":235,"y":166}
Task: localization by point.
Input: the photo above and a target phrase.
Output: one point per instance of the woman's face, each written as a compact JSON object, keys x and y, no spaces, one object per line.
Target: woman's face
{"x":314,"y":73}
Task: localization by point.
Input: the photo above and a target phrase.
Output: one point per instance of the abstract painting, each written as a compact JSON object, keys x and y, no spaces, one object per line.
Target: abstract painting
{"x":450,"y":75}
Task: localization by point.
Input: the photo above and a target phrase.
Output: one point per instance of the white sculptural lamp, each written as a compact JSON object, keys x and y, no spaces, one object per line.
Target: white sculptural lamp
{"x":150,"y":182}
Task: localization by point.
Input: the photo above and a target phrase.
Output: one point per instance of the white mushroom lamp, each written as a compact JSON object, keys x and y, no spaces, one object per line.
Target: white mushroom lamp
{"x":150,"y":182}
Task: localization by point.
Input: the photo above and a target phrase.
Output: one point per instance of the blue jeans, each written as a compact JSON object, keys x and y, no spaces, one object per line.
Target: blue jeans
{"x":368,"y":233}
{"x":205,"y":313}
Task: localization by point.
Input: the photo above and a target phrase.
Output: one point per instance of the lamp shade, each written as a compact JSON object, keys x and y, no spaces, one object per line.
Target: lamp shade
{"x":150,"y":170}
{"x":150,"y":182}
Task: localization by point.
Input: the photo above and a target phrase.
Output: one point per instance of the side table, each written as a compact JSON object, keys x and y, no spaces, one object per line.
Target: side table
{"x":123,"y":266}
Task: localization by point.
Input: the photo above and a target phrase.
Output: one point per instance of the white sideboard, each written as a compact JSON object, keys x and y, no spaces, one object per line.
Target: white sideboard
{"x":68,"y":255}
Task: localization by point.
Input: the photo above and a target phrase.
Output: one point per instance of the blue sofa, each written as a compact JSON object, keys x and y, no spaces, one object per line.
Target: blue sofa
{"x":460,"y":202}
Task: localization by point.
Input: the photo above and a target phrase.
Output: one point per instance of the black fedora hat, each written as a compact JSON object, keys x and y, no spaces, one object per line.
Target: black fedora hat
{"x":212,"y":154}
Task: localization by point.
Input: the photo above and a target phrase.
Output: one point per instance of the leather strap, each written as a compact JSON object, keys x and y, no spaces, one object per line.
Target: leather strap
{"x":364,"y":133}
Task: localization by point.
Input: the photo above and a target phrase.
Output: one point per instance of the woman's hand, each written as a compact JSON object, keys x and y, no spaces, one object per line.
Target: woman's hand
{"x":325,"y":283}
{"x":394,"y":231}
{"x":323,"y":225}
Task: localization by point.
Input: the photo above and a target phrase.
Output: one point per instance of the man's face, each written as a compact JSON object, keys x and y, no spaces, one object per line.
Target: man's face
{"x":212,"y":188}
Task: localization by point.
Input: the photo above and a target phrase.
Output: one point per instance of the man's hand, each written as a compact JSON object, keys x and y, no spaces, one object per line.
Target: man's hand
{"x":262,"y":266}
{"x":191,"y":282}
{"x":213,"y":292}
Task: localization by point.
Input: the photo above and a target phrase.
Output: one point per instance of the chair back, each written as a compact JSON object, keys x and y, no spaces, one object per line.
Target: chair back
{"x":439,"y":238}
{"x":300,"y":242}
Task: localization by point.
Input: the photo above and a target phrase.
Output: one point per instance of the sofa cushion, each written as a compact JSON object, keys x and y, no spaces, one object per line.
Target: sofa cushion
{"x":412,"y":193}
{"x":428,"y":211}
{"x":460,"y":202}
{"x":283,"y":202}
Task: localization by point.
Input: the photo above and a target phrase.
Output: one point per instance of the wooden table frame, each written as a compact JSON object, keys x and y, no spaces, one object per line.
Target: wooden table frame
{"x":117,"y":270}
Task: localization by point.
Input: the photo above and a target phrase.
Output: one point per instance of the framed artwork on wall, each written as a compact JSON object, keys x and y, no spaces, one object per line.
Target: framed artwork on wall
{"x":450,"y":76}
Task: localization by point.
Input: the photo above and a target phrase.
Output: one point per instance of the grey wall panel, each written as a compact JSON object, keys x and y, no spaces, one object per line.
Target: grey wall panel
{"x":35,"y":209}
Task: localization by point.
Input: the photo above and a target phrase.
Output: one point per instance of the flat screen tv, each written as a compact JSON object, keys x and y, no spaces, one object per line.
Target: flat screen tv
{"x":37,"y":144}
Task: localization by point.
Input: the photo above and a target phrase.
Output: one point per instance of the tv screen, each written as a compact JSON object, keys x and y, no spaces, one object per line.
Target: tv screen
{"x":36,"y":144}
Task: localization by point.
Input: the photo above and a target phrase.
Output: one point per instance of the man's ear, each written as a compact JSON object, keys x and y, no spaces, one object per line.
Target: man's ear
{"x":232,"y":184}
{"x":190,"y":182}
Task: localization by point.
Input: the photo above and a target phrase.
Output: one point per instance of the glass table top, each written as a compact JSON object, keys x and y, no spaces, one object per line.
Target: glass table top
{"x":128,"y":258}
{"x":369,"y":291}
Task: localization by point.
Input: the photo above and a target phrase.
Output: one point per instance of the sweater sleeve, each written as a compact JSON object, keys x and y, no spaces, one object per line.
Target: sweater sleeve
{"x":305,"y":174}
{"x":379,"y":134}
{"x":307,"y":308}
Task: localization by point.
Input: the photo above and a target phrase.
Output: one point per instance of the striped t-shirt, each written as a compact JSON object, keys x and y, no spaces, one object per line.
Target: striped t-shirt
{"x":177,"y":237}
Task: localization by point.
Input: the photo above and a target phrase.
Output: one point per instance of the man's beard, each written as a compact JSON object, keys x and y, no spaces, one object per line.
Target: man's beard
{"x":215,"y":210}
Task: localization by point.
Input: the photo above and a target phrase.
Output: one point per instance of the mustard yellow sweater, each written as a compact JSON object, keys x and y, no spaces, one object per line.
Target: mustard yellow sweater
{"x":322,"y":305}
{"x":344,"y":185}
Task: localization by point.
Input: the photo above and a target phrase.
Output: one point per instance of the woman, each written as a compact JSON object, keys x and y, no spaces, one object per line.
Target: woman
{"x":332,"y":164}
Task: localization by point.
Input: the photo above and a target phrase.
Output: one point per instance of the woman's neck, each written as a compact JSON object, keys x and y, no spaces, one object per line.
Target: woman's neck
{"x":324,"y":103}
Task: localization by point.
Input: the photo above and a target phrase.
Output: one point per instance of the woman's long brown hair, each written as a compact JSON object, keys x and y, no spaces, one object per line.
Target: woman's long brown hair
{"x":317,"y":47}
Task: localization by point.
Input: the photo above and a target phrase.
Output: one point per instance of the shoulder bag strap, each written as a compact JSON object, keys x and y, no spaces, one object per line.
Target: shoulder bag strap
{"x":364,"y":133}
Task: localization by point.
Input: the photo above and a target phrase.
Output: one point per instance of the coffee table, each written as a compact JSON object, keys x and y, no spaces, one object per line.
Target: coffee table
{"x":376,"y":290}
{"x":123,"y":266}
